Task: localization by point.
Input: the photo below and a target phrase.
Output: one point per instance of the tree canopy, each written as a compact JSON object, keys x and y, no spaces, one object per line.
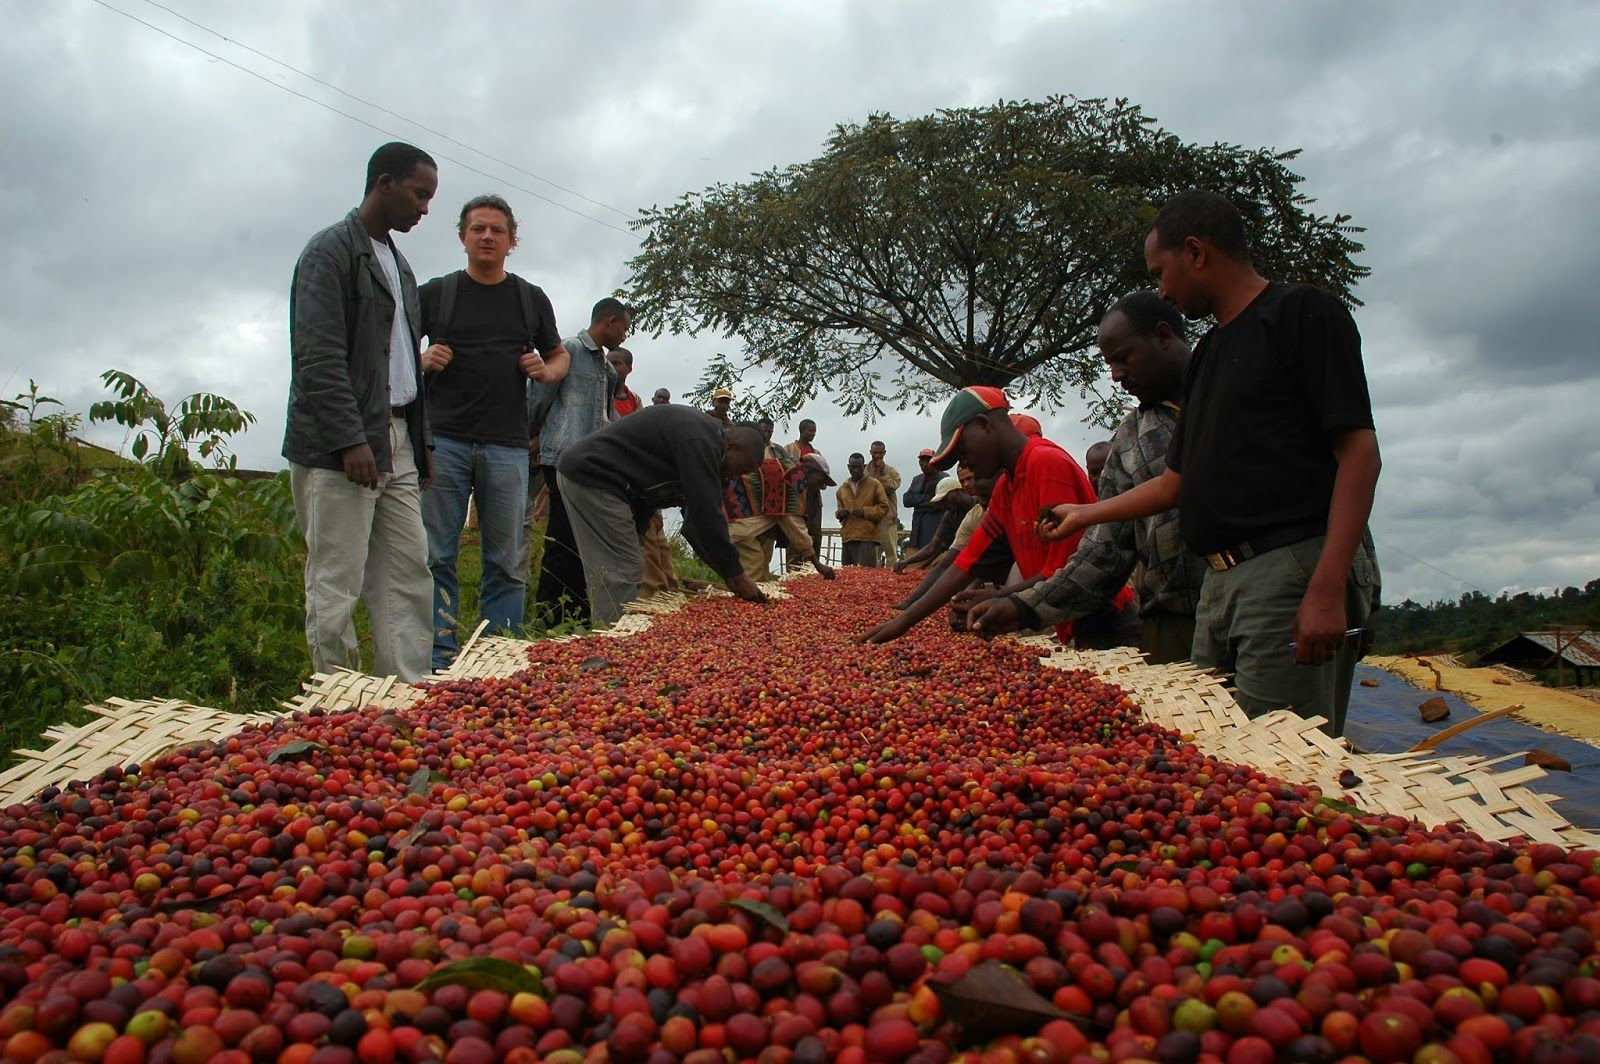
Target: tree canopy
{"x":971,"y":246}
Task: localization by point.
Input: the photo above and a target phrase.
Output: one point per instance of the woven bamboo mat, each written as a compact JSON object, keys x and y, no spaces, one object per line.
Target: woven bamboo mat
{"x":343,"y":690}
{"x":123,"y":732}
{"x":1429,"y":787}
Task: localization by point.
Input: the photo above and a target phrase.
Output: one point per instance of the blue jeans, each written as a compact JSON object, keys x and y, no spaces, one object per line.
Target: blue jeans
{"x":497,"y":476}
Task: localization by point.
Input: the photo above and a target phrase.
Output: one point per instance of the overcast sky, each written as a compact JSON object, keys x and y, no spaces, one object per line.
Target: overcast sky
{"x":155,"y":198}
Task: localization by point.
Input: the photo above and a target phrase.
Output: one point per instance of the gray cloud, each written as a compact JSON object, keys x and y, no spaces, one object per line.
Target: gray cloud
{"x":155,"y":200}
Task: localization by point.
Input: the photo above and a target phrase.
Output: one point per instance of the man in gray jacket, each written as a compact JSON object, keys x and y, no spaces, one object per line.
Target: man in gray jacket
{"x":357,"y":433}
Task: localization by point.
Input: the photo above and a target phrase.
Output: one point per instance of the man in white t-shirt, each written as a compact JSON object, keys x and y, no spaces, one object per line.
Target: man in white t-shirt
{"x":356,"y":435}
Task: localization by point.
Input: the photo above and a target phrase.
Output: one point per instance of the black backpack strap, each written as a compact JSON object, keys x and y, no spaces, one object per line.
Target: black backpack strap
{"x":530,"y":316}
{"x":447,"y":307}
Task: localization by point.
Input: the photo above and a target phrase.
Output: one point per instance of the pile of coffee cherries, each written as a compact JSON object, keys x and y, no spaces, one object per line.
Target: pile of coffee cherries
{"x":740,"y":835}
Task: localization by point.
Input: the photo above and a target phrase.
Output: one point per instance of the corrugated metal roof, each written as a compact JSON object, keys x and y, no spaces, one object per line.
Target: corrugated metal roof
{"x":1577,"y":648}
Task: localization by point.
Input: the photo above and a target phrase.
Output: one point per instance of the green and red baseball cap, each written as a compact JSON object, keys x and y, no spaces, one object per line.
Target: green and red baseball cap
{"x":968,"y":404}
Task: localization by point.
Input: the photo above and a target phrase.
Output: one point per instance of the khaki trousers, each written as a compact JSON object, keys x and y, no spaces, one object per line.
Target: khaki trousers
{"x":538,"y":514}
{"x":659,"y":574}
{"x":755,"y":554}
{"x":366,"y":544}
{"x":887,"y":534}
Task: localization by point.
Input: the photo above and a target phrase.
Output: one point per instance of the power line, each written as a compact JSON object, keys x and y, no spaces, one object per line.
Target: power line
{"x":356,"y":118}
{"x":1390,"y":545}
{"x":394,"y":114}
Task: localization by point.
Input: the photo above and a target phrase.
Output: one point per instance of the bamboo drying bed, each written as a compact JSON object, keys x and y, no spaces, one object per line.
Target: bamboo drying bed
{"x":122,"y":732}
{"x":1434,"y":789}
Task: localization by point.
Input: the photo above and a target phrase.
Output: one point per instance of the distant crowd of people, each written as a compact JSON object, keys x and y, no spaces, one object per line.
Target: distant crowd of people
{"x":1224,"y":522}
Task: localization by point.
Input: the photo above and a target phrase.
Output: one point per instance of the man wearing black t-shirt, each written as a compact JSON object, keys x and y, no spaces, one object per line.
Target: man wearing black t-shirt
{"x":486,"y":329}
{"x":1273,"y":465}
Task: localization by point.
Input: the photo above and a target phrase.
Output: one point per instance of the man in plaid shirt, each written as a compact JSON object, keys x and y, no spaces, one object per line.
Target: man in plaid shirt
{"x":1141,"y":340}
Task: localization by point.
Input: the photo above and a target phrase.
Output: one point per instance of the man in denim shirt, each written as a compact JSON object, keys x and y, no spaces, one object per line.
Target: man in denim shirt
{"x":582,"y":385}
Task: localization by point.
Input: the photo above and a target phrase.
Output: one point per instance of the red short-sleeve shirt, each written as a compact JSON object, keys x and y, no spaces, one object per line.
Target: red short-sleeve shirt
{"x":1045,"y":476}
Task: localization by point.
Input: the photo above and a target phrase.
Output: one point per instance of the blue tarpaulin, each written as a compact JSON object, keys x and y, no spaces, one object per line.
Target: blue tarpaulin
{"x":1384,"y":720}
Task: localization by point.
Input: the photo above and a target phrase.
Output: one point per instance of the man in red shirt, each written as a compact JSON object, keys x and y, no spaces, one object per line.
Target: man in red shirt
{"x":624,"y":400}
{"x":976,"y":430}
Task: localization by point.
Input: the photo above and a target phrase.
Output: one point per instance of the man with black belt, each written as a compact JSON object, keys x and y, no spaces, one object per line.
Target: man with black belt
{"x":1273,"y":465}
{"x":1141,"y":341}
{"x":614,"y":479}
{"x":356,"y":435}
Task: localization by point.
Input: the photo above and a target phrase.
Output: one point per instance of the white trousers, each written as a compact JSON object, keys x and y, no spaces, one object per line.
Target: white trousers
{"x":367,"y":544}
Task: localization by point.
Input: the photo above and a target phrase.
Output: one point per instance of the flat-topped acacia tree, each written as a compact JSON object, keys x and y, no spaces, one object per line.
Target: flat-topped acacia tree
{"x":971,"y":246}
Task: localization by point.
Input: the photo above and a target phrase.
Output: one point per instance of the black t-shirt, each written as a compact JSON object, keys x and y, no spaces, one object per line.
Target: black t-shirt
{"x":1264,"y":392}
{"x":481,"y":396}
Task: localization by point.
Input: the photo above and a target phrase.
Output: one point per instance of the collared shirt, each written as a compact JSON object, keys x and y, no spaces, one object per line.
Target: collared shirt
{"x":1109,"y":553}
{"x":402,"y":349}
{"x":885,"y":474}
{"x":582,"y":401}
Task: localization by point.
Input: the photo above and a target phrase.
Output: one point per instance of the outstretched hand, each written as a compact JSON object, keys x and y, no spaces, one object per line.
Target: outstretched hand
{"x":1059,"y":522}
{"x":969,"y":598}
{"x":746,"y":589}
{"x":887,"y":632}
{"x":994,"y":616}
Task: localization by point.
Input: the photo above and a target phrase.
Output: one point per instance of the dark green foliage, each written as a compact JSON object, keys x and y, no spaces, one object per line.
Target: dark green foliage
{"x":136,"y":586}
{"x":1475,"y":622}
{"x":972,"y":246}
{"x":162,"y":439}
{"x":142,"y":579}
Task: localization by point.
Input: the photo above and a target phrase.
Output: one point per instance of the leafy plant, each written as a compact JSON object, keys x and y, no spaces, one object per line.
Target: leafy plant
{"x":162,"y":439}
{"x":40,"y":451}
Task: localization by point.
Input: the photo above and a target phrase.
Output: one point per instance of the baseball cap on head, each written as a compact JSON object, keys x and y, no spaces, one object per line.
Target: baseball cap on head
{"x":945,"y":486}
{"x":969,"y":403}
{"x":926,"y":452}
{"x":1028,"y":425}
{"x":722,"y":393}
